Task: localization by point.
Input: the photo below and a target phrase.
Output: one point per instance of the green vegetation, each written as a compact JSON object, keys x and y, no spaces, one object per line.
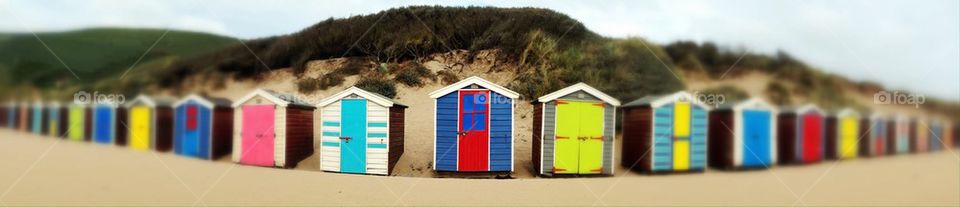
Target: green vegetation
{"x":377,"y":85}
{"x":94,"y":55}
{"x":730,"y":94}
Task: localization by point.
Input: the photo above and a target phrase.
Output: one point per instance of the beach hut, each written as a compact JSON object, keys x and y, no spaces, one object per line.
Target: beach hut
{"x":948,"y":136}
{"x":37,"y":118}
{"x":150,"y":121}
{"x":665,"y":133}
{"x":800,"y":134}
{"x":56,"y":117}
{"x":573,"y":131}
{"x":743,"y":135}
{"x":360,"y":132}
{"x":5,"y":118}
{"x":203,"y":127}
{"x":79,"y":122}
{"x":874,"y":135}
{"x":936,"y":135}
{"x":105,"y":123}
{"x":24,"y":117}
{"x":898,"y":135}
{"x":12,"y":116}
{"x":921,"y":136}
{"x":271,"y":129}
{"x":473,"y":123}
{"x":843,"y":130}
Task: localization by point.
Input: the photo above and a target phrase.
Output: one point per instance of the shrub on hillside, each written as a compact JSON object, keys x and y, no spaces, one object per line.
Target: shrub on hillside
{"x":383,"y":87}
{"x":412,"y":75}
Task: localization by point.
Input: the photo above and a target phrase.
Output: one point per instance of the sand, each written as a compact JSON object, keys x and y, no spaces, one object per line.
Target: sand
{"x":40,"y":170}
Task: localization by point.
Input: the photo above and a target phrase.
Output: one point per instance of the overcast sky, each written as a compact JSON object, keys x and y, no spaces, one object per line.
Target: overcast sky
{"x":912,"y":45}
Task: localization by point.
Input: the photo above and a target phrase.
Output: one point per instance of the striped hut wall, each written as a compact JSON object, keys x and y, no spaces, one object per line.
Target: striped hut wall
{"x":378,"y":118}
{"x":549,"y":136}
{"x":501,"y":132}
{"x":445,"y":143}
{"x":330,"y":137}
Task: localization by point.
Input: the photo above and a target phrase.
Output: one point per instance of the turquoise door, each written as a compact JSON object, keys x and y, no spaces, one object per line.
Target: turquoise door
{"x":756,"y":138}
{"x":353,"y":136}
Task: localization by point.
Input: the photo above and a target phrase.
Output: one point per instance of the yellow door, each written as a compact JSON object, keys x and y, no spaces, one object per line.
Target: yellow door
{"x":76,"y":125}
{"x":140,"y":128}
{"x":848,"y":137}
{"x":681,"y":136}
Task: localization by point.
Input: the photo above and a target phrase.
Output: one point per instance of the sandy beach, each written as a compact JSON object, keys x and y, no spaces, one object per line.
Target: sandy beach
{"x":40,"y":170}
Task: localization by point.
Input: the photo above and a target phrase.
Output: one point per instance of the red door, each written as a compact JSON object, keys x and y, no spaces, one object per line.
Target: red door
{"x":811,"y":137}
{"x":257,"y":135}
{"x":474,"y":136}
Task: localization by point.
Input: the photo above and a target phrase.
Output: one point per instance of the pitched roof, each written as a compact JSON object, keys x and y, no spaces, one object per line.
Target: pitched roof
{"x":206,"y":101}
{"x":579,"y":87}
{"x":471,"y":81}
{"x":273,"y":96}
{"x":376,"y":98}
{"x":660,"y":100}
{"x":151,"y":101}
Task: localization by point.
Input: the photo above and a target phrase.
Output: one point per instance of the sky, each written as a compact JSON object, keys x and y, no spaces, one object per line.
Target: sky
{"x":911,"y":45}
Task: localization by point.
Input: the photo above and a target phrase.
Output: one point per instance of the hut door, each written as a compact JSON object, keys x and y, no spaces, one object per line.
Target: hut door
{"x":257,"y":135}
{"x":848,"y":137}
{"x":53,"y":122}
{"x":103,"y":124}
{"x":579,"y":138}
{"x":191,"y":132}
{"x":879,"y":137}
{"x":140,"y":128}
{"x":353,"y":136}
{"x":681,"y":136}
{"x":756,"y":138}
{"x":76,"y":118}
{"x":474,"y":143}
{"x":811,"y":137}
{"x":37,"y":125}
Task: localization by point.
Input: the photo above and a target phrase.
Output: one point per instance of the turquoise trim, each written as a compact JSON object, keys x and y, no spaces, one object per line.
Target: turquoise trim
{"x":378,"y":135}
{"x":331,"y":123}
{"x":331,"y":144}
{"x":377,"y":145}
{"x":331,"y":134}
{"x":377,"y":124}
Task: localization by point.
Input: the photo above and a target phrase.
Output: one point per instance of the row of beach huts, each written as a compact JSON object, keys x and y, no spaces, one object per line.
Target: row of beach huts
{"x":573,"y":130}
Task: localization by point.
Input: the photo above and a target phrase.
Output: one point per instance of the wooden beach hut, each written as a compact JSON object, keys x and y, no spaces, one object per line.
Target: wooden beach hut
{"x":203,"y":127}
{"x":843,"y":130}
{"x":4,"y":115}
{"x":150,"y":121}
{"x":360,"y":132}
{"x":79,"y":122}
{"x":874,"y":135}
{"x":12,"y":115}
{"x":898,"y":135}
{"x":800,"y":134}
{"x":573,"y":131}
{"x":936,"y":137}
{"x":949,"y":138}
{"x":921,"y":136}
{"x":271,"y":129}
{"x":474,"y":127}
{"x":105,"y":123}
{"x":665,"y":133}
{"x":743,"y":135}
{"x":24,"y":118}
{"x":56,"y":116}
{"x":37,"y":118}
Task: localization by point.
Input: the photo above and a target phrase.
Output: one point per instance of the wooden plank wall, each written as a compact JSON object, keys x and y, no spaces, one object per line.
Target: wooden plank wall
{"x":397,"y":126}
{"x":299,"y":134}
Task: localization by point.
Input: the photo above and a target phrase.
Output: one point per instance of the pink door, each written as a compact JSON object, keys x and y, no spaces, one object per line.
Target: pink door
{"x":257,"y":135}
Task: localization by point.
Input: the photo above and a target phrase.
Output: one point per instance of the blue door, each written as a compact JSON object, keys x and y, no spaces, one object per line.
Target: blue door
{"x":191,"y":132}
{"x":756,"y":138}
{"x":37,"y":125}
{"x":353,"y":136}
{"x":103,"y":125}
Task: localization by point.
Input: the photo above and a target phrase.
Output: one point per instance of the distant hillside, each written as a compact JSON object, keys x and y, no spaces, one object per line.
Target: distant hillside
{"x":93,"y":54}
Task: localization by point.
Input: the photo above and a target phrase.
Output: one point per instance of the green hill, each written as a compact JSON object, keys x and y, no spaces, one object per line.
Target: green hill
{"x":94,"y":55}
